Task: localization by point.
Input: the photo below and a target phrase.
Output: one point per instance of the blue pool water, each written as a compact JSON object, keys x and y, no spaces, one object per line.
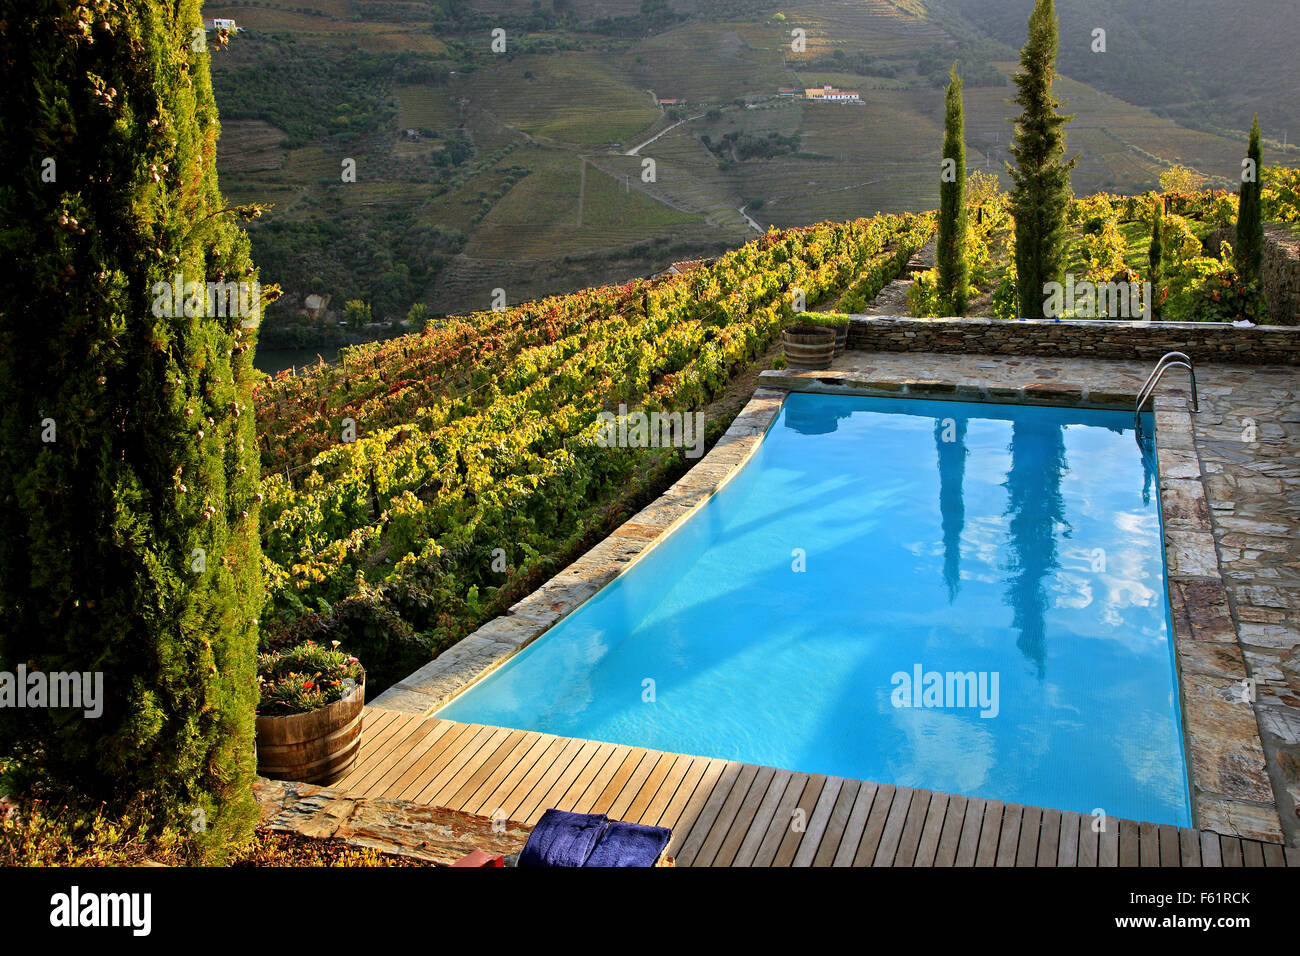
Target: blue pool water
{"x":1015,"y":543}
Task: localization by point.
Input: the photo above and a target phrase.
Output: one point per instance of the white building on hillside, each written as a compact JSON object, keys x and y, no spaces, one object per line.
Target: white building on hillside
{"x":829,"y":94}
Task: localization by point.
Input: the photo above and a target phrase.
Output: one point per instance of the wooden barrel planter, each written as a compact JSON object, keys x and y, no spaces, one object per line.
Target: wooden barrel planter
{"x":316,"y":747}
{"x":841,"y":338}
{"x":808,"y":347}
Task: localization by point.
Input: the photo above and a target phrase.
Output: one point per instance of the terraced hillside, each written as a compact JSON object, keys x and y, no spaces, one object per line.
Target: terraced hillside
{"x":478,"y":171}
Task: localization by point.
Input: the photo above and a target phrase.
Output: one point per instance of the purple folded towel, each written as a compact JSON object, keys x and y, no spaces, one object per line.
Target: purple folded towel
{"x":563,"y":839}
{"x":629,"y":844}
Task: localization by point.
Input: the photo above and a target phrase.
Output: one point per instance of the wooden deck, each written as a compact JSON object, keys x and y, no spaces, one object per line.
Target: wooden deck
{"x":724,"y":813}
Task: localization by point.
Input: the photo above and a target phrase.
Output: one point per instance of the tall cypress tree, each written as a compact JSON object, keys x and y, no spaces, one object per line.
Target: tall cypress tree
{"x":1248,"y":252}
{"x":1041,"y":175}
{"x":128,"y":464}
{"x":954,"y":270}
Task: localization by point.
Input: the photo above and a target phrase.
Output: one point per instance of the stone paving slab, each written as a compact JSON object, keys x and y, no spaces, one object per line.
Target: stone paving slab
{"x":400,"y":827}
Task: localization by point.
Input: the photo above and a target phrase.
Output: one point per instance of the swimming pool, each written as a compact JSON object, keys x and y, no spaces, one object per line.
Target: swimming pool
{"x":956,"y":596}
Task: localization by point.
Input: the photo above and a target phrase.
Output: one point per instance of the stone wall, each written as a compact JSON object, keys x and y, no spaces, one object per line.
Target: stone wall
{"x":1081,"y":338}
{"x":1282,"y":274}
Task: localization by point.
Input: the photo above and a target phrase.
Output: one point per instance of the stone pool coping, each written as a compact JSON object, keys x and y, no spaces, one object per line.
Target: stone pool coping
{"x":1230,"y":787}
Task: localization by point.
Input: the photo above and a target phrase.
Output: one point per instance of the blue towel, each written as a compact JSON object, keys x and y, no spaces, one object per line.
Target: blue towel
{"x":563,"y":839}
{"x":629,"y":844}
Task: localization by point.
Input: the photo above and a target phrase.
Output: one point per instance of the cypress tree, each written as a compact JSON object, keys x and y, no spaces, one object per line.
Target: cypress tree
{"x":1041,"y":193}
{"x":954,"y":270}
{"x":128,"y":458}
{"x":1155,"y":255}
{"x":1248,"y":251}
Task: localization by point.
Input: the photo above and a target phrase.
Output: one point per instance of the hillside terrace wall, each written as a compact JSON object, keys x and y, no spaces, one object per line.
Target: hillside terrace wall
{"x":1078,"y":338}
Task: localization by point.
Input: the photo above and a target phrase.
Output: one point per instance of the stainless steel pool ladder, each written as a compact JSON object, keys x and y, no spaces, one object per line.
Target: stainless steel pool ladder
{"x":1167,"y":361}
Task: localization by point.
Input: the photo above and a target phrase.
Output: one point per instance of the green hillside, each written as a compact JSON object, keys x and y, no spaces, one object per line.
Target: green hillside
{"x":478,"y":171}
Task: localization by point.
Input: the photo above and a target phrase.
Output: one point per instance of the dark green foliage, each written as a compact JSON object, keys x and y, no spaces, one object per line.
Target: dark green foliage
{"x":1248,"y":251}
{"x":154,"y":453}
{"x":1155,"y":254}
{"x":954,"y":269}
{"x":1042,"y":177}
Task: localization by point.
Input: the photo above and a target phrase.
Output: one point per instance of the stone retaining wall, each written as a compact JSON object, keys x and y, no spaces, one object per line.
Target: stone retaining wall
{"x":1282,"y":273}
{"x":1080,"y":338}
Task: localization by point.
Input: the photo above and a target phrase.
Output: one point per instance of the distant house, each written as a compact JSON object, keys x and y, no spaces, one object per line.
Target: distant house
{"x":667,"y":103}
{"x":315,"y":306}
{"x":682,"y":267}
{"x":829,"y":94}
{"x":221,"y":23}
{"x":788,"y":91}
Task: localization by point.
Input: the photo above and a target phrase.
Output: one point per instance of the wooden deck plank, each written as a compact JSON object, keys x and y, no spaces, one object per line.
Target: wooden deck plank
{"x":1130,"y":843}
{"x":488,"y":801}
{"x":490,"y":776}
{"x":1148,"y":844}
{"x":798,"y":823}
{"x":641,"y":799}
{"x":1048,"y":837}
{"x":1273,"y":855}
{"x":584,"y":801}
{"x":1009,"y":839}
{"x":481,"y":744}
{"x":560,"y":752}
{"x":690,"y":812}
{"x":695,"y":772}
{"x":1230,"y":847}
{"x":619,"y":780}
{"x":893,"y":832}
{"x":731,"y":808}
{"x":950,"y":838}
{"x":905,"y":855}
{"x":781,"y":820}
{"x":762,"y":819}
{"x":465,"y":784}
{"x":400,"y":784}
{"x":1089,"y":841}
{"x":489,"y":753}
{"x":659,"y":800}
{"x":990,"y":833}
{"x":412,"y":739}
{"x":623,"y":799}
{"x":875,"y":826}
{"x":1251,"y":853}
{"x":568,"y":800}
{"x":1067,"y":846}
{"x":969,"y":842}
{"x":1031,"y":825}
{"x":837,"y":823}
{"x":1170,"y":852}
{"x":927,"y":848}
{"x":1292,"y":855}
{"x":855,"y":825}
{"x":471,"y":737}
{"x":686,"y":844}
{"x":374,"y":743}
{"x":817,"y":822}
{"x":1108,"y":842}
{"x":1211,"y":849}
{"x":1189,"y":847}
{"x":555,"y":784}
{"x":735,"y":835}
